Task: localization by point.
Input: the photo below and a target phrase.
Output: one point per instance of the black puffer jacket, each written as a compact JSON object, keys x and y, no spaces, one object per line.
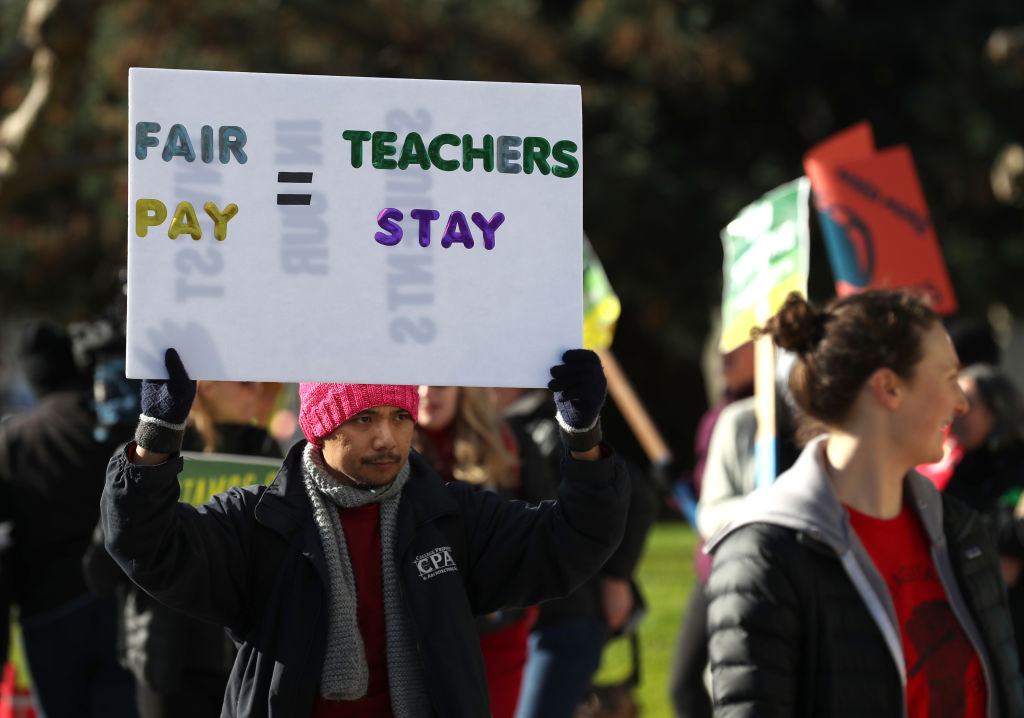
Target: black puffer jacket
{"x":989,"y":480}
{"x":796,"y":624}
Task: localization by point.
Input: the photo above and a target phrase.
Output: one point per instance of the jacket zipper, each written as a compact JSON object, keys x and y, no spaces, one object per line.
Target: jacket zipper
{"x":956,"y":604}
{"x":881,"y":616}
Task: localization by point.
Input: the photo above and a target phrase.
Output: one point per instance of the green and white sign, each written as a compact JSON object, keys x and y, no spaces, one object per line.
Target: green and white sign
{"x":207,"y":474}
{"x":767,"y":256}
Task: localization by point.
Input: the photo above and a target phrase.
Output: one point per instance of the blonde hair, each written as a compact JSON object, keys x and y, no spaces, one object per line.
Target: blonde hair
{"x":201,"y":417}
{"x":479,"y":449}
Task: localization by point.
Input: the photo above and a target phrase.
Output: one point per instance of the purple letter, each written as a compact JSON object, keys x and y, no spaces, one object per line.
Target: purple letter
{"x":488,"y":227}
{"x":457,"y":231}
{"x":425,"y":216}
{"x":384,"y":221}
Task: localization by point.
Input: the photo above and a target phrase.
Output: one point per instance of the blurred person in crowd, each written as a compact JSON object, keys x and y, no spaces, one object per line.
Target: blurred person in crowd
{"x":990,"y":475}
{"x":730,"y":469}
{"x":229,"y":417}
{"x":974,"y":341}
{"x":566,"y":642}
{"x":6,"y":580}
{"x":737,"y":371}
{"x":991,"y":433}
{"x":461,"y":436}
{"x":686,"y":679}
{"x":181,"y":664}
{"x":851,"y":586}
{"x":51,"y":468}
{"x":729,"y":474}
{"x":352,"y":581}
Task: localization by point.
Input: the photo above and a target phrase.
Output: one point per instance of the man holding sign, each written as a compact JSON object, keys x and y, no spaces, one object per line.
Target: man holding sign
{"x":351,"y":582}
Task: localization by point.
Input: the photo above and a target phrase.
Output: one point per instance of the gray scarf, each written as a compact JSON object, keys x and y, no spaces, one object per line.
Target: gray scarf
{"x":345,"y":674}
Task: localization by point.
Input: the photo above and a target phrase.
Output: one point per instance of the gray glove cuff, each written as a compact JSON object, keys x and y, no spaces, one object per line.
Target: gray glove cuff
{"x":159,"y":436}
{"x":579,"y":439}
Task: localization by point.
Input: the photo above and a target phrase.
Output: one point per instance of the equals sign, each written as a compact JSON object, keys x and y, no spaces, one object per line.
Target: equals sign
{"x":299,"y":177}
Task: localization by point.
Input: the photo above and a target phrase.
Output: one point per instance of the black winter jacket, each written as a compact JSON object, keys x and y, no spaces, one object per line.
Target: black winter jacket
{"x":532,"y":418}
{"x":163,"y":648}
{"x":52,"y":468}
{"x":791,"y":634}
{"x":989,"y":480}
{"x":251,"y":559}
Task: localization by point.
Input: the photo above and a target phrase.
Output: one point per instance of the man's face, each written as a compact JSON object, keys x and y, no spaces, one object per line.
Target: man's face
{"x":370,"y":448}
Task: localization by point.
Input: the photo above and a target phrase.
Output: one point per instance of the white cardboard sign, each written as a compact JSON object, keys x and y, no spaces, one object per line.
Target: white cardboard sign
{"x":314,"y":228}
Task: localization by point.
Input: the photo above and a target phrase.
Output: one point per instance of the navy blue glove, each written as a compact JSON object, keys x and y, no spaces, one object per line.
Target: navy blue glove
{"x":579,"y":387}
{"x":165,"y":406}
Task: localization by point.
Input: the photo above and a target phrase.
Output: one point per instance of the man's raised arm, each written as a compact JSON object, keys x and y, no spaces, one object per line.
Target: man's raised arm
{"x":165,"y":407}
{"x":579,"y":387}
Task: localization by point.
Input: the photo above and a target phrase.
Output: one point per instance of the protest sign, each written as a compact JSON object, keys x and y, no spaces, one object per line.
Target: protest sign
{"x":877,"y":227}
{"x":204,"y":475}
{"x":601,"y":307}
{"x":313,"y":228}
{"x":767,"y":256}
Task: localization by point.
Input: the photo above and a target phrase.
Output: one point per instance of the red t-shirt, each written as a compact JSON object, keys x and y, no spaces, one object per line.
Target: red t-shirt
{"x":944,"y":674}
{"x":362,"y":534}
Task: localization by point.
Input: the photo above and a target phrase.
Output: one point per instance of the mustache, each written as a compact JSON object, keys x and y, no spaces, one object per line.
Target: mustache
{"x":386,"y":456}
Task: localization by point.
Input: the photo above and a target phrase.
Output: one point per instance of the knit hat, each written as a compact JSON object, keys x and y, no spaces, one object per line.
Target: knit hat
{"x":325,"y":407}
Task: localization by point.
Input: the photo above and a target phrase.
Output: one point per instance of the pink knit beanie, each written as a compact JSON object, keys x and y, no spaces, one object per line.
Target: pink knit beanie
{"x":325,"y":407}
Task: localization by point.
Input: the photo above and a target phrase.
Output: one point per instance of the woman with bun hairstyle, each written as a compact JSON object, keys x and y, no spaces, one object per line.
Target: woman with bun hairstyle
{"x":851,"y":586}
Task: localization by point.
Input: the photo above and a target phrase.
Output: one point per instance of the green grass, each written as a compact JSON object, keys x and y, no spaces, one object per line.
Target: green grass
{"x":666,"y":577}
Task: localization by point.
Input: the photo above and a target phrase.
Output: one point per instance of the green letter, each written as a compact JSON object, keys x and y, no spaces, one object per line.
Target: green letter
{"x":142,"y":138}
{"x":562,"y":152}
{"x":178,"y":145}
{"x":413,"y":152}
{"x":357,"y":138}
{"x":382,"y":150}
{"x":434,"y":151}
{"x":485,"y":153}
{"x":232,"y":140}
{"x":536,"y":151}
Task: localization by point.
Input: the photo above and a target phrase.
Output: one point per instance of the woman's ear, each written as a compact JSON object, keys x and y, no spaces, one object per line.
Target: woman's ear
{"x":887,"y":387}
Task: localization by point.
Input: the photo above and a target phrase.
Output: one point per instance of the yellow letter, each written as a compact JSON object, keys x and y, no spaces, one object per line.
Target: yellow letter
{"x":185,"y":220}
{"x":220,"y":219}
{"x":200,"y":495}
{"x":144,"y":220}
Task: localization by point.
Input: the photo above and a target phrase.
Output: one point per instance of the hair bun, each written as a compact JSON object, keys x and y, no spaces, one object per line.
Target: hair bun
{"x":796,"y":327}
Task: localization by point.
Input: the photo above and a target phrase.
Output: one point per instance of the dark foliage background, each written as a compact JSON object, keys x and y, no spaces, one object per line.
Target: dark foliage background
{"x":692,"y":109}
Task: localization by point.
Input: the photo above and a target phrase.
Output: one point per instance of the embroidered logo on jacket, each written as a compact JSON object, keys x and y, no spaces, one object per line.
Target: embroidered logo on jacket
{"x":434,"y":563}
